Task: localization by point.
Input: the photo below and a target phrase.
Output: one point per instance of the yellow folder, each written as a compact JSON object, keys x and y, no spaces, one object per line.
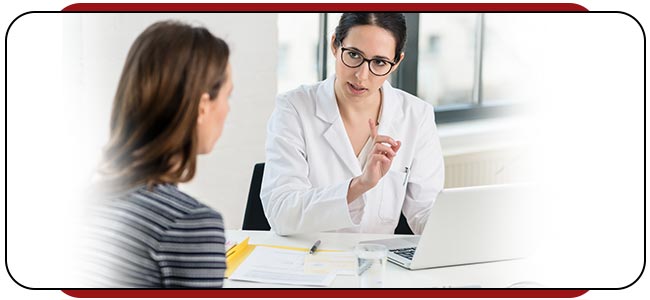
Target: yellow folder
{"x":237,"y":254}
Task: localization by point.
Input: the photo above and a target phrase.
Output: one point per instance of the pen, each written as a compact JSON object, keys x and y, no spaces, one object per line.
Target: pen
{"x":406,"y":175}
{"x":231,"y":250}
{"x":313,"y":248}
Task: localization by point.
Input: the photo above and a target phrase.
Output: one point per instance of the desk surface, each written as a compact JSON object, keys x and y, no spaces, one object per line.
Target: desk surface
{"x":486,"y":275}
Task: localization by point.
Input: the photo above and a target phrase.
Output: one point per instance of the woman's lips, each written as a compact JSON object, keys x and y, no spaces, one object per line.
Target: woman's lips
{"x":355,"y":89}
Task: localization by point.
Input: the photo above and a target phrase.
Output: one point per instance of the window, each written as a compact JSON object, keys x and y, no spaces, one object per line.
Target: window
{"x":504,"y":65}
{"x":298,"y":41}
{"x":467,"y":65}
{"x":445,"y":58}
{"x":332,"y":22}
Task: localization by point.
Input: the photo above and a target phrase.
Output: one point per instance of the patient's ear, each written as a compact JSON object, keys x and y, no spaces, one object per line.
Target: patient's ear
{"x":203,"y":108}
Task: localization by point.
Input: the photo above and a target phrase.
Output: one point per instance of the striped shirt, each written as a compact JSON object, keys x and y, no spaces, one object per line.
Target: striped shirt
{"x":161,"y":238}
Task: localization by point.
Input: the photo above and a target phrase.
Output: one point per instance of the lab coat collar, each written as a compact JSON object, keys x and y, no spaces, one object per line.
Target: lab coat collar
{"x":328,"y":111}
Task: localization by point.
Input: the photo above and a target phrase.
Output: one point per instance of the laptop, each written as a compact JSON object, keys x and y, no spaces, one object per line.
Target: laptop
{"x":470,"y":225}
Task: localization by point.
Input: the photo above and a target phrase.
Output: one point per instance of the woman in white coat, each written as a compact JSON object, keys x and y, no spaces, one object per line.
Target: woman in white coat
{"x":350,"y":153}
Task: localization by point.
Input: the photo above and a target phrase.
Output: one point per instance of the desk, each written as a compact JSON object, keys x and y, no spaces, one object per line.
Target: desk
{"x":487,"y":275}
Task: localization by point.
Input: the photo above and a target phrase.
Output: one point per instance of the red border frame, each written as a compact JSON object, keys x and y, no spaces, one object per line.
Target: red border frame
{"x":327,"y":293}
{"x":334,"y":7}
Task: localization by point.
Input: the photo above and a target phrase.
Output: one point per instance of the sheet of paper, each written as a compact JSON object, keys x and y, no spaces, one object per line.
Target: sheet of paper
{"x":341,"y":263}
{"x":272,"y":265}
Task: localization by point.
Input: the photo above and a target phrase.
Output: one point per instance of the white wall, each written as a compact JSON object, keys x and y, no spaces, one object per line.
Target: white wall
{"x":97,"y":47}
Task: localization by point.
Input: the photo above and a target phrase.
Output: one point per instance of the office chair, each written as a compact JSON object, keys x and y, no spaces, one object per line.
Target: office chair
{"x":403,"y":226}
{"x":255,"y":219}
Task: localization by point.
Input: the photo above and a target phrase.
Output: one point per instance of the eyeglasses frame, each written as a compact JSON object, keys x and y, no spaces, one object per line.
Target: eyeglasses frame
{"x":364,"y":60}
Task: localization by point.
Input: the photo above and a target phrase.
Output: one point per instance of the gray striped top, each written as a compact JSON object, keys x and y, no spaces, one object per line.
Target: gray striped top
{"x":161,"y":238}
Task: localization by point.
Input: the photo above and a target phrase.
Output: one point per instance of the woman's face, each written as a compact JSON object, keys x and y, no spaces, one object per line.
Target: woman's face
{"x":212,"y":115}
{"x":371,"y":42}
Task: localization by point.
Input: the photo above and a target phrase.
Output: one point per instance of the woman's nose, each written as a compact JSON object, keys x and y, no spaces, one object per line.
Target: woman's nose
{"x":362,"y":72}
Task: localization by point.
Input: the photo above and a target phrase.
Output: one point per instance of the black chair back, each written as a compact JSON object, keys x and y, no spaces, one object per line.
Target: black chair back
{"x":402,"y":226}
{"x":254,"y":218}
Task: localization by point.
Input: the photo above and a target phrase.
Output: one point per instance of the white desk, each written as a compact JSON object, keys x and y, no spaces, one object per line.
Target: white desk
{"x":486,"y":275}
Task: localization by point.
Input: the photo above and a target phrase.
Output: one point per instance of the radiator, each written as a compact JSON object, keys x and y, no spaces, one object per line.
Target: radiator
{"x":493,"y":166}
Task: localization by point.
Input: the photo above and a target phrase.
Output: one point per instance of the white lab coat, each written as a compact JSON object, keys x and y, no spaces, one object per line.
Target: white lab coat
{"x":310,"y":163}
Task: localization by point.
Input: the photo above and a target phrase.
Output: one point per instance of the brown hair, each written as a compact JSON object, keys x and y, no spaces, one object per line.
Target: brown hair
{"x":153,"y":135}
{"x":395,"y":23}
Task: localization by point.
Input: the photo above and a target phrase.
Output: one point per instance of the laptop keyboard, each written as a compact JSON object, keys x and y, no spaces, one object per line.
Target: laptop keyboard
{"x":405,"y":252}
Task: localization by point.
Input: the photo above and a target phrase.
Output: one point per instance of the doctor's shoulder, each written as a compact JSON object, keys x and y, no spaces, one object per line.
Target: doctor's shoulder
{"x":412,"y":105}
{"x":300,"y":96}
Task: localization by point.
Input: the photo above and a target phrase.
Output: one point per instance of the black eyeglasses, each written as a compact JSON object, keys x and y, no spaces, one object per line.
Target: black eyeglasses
{"x":353,"y":59}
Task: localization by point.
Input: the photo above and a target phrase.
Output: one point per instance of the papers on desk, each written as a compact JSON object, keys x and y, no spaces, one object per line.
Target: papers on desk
{"x":294,"y":267}
{"x":341,"y":263}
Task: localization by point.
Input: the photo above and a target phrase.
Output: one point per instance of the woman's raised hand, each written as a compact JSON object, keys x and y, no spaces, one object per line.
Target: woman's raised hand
{"x":384,"y":149}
